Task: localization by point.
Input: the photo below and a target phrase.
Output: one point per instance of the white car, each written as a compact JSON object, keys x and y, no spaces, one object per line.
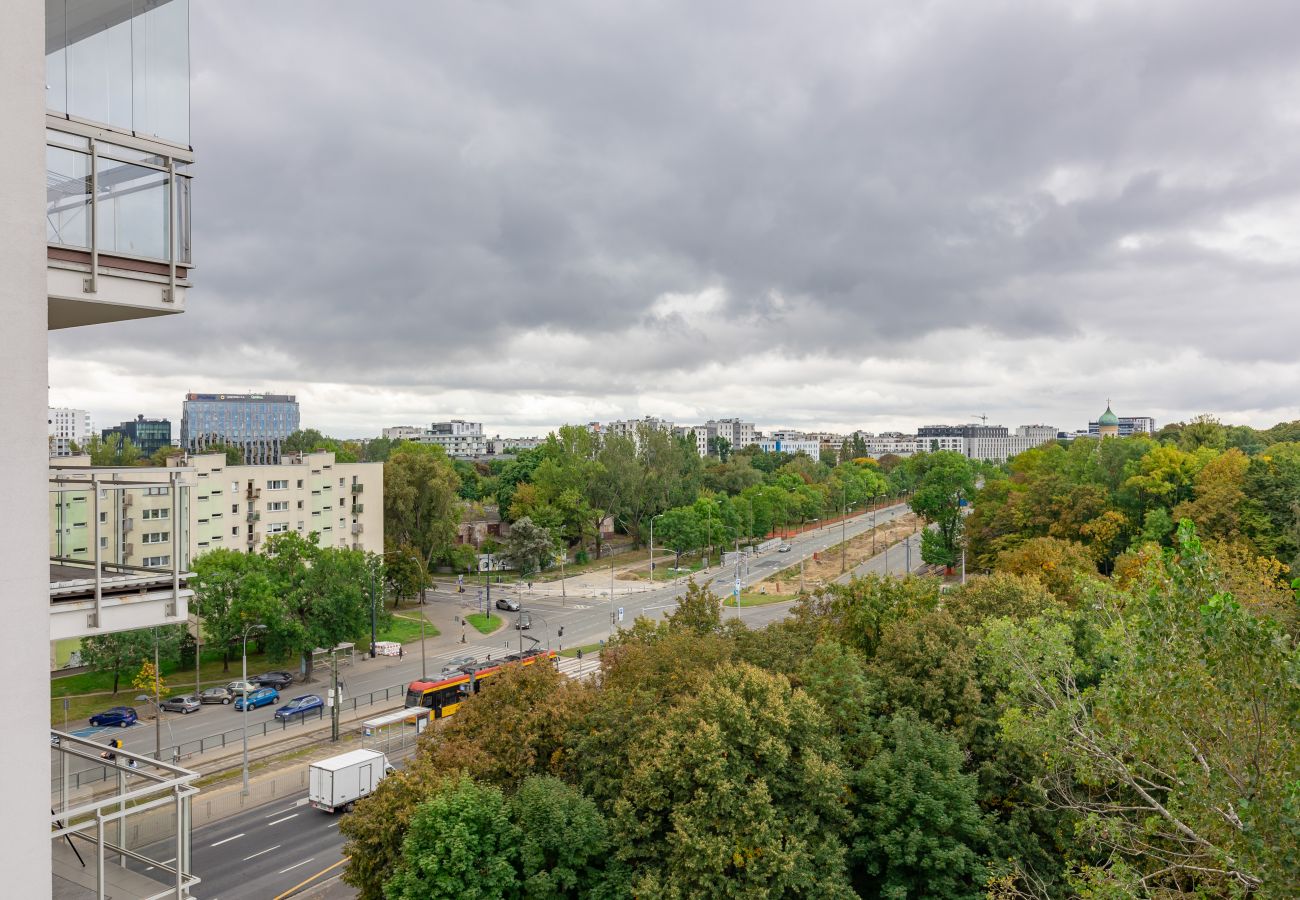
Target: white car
{"x":784,"y":548}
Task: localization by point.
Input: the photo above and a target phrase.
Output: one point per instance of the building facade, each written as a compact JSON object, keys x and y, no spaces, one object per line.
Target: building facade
{"x":992,"y":443}
{"x":811,"y":448}
{"x":255,"y":423}
{"x":239,"y":507}
{"x":67,"y":426}
{"x":1126,"y":426}
{"x":94,"y":228}
{"x":737,"y":433}
{"x":150,"y":435}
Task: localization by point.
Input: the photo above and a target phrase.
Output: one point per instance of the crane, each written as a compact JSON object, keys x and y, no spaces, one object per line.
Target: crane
{"x":984,"y":420}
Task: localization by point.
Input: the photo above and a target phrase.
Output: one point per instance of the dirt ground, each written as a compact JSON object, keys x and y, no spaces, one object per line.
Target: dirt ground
{"x":826,"y":568}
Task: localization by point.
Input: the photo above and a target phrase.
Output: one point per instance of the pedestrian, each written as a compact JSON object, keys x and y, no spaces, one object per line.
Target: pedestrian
{"x":401,"y":651}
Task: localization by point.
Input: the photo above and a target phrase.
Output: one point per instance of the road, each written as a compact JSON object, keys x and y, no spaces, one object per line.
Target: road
{"x":585,"y":619}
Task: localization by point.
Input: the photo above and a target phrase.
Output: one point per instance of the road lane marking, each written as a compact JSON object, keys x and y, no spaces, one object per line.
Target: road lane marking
{"x":296,"y":865}
{"x":227,"y":840}
{"x":293,"y":890}
{"x":302,"y":801}
{"x":260,"y":852}
{"x":285,"y":819}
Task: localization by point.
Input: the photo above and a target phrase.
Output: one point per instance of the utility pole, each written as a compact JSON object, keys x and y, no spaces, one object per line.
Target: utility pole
{"x":198,"y":647}
{"x":873,"y":524}
{"x":422,"y":621}
{"x":801,"y":559}
{"x":334,"y":694}
{"x":487,"y":579}
{"x":564,"y":593}
{"x":907,"y":545}
{"x":157,"y":710}
{"x":373,"y":632}
{"x":963,"y":565}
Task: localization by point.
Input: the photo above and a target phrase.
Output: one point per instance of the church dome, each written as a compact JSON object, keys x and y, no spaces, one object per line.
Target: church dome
{"x":1108,"y":417}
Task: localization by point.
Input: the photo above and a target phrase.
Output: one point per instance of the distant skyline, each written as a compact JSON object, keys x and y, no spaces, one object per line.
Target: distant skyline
{"x":822,"y":215}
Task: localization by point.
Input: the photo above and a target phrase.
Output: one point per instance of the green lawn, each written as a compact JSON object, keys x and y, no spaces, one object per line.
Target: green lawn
{"x":587,"y":650}
{"x":405,"y":628}
{"x":485,"y":623}
{"x":749,"y":599}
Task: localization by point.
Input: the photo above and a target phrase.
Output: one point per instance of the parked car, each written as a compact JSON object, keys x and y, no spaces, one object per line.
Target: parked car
{"x":121,"y":716}
{"x":221,"y":695}
{"x":784,"y":548}
{"x":524,"y":622}
{"x":507,"y":603}
{"x":183,"y":704}
{"x":299,"y":706}
{"x":238,"y":687}
{"x":278,"y":680}
{"x":259,"y":697}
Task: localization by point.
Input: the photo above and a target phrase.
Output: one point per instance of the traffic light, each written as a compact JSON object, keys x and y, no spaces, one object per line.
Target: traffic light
{"x":561,"y":631}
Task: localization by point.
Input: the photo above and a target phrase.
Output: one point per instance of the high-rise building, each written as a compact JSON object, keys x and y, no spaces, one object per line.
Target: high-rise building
{"x":255,"y":423}
{"x":67,"y":426}
{"x":94,"y":152}
{"x":150,"y":435}
{"x":987,"y":442}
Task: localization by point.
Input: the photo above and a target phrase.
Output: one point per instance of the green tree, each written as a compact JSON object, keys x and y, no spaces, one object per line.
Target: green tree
{"x":738,"y":792}
{"x":699,"y":610}
{"x":117,"y":450}
{"x":529,"y":548}
{"x":720,"y":447}
{"x":421,"y":506}
{"x":460,"y":844}
{"x":232,"y":590}
{"x":681,"y":530}
{"x":563,"y":840}
{"x":921,"y":830}
{"x":945,"y":483}
{"x":406,"y":572}
{"x":117,"y":652}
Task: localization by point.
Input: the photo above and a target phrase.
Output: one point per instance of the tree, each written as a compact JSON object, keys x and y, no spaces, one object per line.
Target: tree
{"x":1172,"y":734}
{"x":148,"y":680}
{"x":116,"y":450}
{"x":720,"y":447}
{"x":119,"y":652}
{"x":699,"y":611}
{"x":945,"y":483}
{"x":231,"y":591}
{"x":681,"y":530}
{"x":461,"y":844}
{"x":921,"y":833}
{"x":563,"y":840}
{"x":405,"y":572}
{"x":162,"y":454}
{"x":736,"y":791}
{"x":421,"y":507}
{"x":529,"y":548}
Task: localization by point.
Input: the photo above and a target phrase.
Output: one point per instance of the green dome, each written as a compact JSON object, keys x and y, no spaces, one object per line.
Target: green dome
{"x":1108,"y":417}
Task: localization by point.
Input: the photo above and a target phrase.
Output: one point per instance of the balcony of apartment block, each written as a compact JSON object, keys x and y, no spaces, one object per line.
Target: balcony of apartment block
{"x":357,"y":489}
{"x":120,"y":822}
{"x":252,"y":493}
{"x":357,"y":528}
{"x":111,"y":568}
{"x":358,"y":508}
{"x":117,"y":160}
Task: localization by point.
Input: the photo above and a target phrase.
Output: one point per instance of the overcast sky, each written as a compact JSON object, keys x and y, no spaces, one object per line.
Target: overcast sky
{"x":816,"y":215}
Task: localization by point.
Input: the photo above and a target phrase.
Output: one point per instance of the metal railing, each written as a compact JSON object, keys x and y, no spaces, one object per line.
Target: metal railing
{"x":233,"y":737}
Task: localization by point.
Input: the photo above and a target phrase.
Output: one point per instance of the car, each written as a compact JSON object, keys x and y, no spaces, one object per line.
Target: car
{"x":455,"y":664}
{"x":507,"y":603}
{"x":120,"y":716}
{"x":784,"y":548}
{"x":278,"y":680}
{"x":183,"y":704}
{"x":220,"y":694}
{"x":299,"y":706}
{"x":238,"y":687}
{"x":259,"y":697}
{"x":524,"y":622}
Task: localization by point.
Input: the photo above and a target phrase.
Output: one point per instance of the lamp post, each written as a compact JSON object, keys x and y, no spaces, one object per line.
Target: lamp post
{"x":374,"y":635}
{"x":844,"y":528}
{"x":248,"y":629}
{"x":652,"y":547}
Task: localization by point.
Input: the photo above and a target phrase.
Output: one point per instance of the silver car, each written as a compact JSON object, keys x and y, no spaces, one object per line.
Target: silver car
{"x":184,"y":704}
{"x":221,"y":695}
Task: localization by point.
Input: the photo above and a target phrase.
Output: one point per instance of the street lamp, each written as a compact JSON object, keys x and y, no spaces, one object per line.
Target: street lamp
{"x":652,"y":546}
{"x":157,"y":725}
{"x":248,"y":629}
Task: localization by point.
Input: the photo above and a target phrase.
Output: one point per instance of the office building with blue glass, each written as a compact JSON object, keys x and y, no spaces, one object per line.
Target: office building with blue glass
{"x":255,"y":423}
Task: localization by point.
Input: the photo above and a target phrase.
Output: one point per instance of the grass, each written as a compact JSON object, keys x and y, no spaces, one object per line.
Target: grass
{"x":485,"y":623}
{"x":750,"y":599}
{"x":404,"y":629}
{"x":585,"y":648}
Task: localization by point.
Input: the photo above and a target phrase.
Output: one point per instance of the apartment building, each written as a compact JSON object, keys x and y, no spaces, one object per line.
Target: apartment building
{"x":255,"y":423}
{"x":811,"y":448}
{"x":66,"y":426}
{"x":94,"y":228}
{"x":696,"y":435}
{"x":239,"y":507}
{"x":737,"y":433}
{"x":993,"y":443}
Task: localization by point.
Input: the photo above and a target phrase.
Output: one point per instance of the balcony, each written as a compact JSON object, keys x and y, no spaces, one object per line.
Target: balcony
{"x":357,"y":528}
{"x":254,"y":517}
{"x":97,"y":582}
{"x":358,"y":508}
{"x":252,"y":493}
{"x":254,"y":537}
{"x":106,"y":813}
{"x":357,"y":489}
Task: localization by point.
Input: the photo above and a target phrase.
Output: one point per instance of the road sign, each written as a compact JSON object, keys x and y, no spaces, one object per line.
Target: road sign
{"x":736,"y":590}
{"x":620,"y":614}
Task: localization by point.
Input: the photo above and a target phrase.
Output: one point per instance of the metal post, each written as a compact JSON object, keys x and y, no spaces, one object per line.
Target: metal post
{"x":334,"y":693}
{"x":907,"y":545}
{"x":886,"y":559}
{"x":422,"y":621}
{"x":99,"y":854}
{"x":157,"y":708}
{"x":564,"y":593}
{"x":801,"y":559}
{"x":844,"y":530}
{"x":180,"y":845}
{"x":121,"y":807}
{"x":652,"y":549}
{"x":94,"y":502}
{"x":373,"y":633}
{"x":243,"y":715}
{"x":963,"y":565}
{"x":873,"y":524}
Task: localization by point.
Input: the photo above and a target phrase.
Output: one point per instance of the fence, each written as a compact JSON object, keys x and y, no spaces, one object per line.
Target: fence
{"x":235,"y":736}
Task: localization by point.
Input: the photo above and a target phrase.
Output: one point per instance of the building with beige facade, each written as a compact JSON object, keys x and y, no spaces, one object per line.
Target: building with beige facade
{"x":239,"y":507}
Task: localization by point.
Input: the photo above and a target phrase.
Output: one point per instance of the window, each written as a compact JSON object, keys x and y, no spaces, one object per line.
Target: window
{"x":155,"y":513}
{"x":202,"y":544}
{"x":156,"y":491}
{"x":103,"y":543}
{"x":234,"y":487}
{"x":340,"y":482}
{"x":299,"y":484}
{"x":234,"y":508}
{"x":156,"y":537}
{"x":277,"y":527}
{"x":157,"y":561}
{"x":218,"y":537}
{"x":340,"y":501}
{"x":300,"y":524}
{"x":300,"y":504}
{"x":103,"y":517}
{"x":203,"y":521}
{"x":279,"y":484}
{"x":277,"y":506}
{"x":234,"y":532}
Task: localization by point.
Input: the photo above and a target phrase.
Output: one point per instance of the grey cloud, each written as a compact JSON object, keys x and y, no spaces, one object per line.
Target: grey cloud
{"x":390,"y":194}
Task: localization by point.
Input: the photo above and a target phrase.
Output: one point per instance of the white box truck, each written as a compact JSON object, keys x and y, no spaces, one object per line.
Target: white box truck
{"x":338,"y":782}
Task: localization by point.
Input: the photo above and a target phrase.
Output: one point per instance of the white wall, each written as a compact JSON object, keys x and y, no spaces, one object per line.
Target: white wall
{"x":24,"y":561}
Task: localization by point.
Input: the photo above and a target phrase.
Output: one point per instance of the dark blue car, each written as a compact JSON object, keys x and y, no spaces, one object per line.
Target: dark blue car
{"x":120,"y":716}
{"x":300,"y":706}
{"x":259,"y":697}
